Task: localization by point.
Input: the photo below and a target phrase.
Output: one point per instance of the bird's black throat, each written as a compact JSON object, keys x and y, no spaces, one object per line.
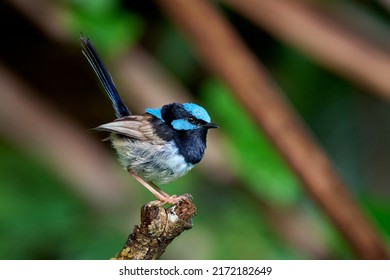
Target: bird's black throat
{"x":191,"y":144}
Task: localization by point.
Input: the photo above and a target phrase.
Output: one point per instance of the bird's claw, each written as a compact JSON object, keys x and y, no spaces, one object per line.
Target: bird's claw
{"x":174,"y":199}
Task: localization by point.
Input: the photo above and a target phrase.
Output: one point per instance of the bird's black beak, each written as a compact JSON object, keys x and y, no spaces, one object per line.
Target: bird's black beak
{"x":210,"y":125}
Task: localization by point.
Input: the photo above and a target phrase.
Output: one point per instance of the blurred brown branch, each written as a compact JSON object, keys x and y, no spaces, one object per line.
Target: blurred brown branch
{"x":321,"y":39}
{"x":33,"y":126}
{"x":158,"y":228}
{"x":385,"y":3}
{"x":223,"y":52}
{"x":47,"y":16}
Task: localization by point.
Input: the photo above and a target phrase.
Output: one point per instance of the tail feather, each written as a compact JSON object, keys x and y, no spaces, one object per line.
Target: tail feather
{"x":104,"y":76}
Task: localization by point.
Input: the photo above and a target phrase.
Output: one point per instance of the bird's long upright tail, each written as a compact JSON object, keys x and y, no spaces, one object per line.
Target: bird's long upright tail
{"x":104,"y":76}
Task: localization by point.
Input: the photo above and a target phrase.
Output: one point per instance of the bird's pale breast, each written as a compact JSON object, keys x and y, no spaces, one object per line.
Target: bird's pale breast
{"x":154,"y":163}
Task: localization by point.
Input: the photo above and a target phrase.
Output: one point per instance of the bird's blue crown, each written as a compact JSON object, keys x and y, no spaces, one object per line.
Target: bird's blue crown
{"x":197,"y":111}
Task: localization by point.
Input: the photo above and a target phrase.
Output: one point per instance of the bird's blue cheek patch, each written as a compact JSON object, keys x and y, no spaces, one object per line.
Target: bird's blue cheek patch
{"x":182,"y":125}
{"x":155,"y":112}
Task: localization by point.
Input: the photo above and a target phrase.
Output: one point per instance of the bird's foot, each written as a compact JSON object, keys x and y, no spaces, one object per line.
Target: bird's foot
{"x":175,"y":199}
{"x":170,"y":199}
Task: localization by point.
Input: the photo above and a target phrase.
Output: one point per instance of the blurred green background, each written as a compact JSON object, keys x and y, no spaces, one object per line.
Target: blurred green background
{"x":64,"y":196}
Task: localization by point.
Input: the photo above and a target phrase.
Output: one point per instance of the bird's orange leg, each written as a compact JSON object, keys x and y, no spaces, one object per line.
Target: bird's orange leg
{"x":159,"y":193}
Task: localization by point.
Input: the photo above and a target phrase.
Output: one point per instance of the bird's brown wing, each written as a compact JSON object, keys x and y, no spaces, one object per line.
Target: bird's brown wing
{"x":135,"y":126}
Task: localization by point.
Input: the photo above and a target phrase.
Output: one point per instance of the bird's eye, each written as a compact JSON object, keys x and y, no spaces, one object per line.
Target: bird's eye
{"x":191,"y":119}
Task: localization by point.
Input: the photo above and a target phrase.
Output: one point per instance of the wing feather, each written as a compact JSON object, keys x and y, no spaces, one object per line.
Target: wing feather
{"x":137,"y":127}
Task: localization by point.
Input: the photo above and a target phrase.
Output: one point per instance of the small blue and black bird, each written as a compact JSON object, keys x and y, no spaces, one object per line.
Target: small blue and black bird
{"x":160,"y":145}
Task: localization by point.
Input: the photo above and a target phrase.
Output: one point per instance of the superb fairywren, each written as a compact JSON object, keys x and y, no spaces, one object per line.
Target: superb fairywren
{"x":160,"y":145}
